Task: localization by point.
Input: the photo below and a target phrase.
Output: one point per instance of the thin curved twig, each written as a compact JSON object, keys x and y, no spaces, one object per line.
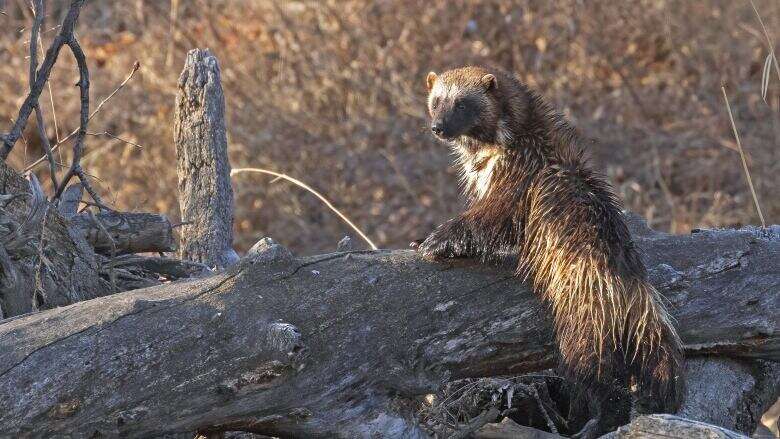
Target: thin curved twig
{"x":39,"y":12}
{"x":770,"y":45}
{"x":316,"y":194}
{"x":136,"y":66}
{"x":742,"y":156}
{"x":75,"y":169}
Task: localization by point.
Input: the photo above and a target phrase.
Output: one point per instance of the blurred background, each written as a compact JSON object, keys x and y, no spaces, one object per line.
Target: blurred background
{"x":333,"y":92}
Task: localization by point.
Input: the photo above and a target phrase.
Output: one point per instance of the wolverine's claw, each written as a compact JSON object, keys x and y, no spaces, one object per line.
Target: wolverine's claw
{"x":432,"y":249}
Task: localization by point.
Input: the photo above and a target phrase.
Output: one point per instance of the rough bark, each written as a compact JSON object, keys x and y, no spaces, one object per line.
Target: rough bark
{"x":668,"y":426}
{"x":510,"y":430}
{"x":120,"y":233}
{"x":171,"y":269}
{"x":45,"y":262}
{"x":205,"y":194}
{"x":68,"y":205}
{"x":329,"y":346}
{"x":742,"y":389}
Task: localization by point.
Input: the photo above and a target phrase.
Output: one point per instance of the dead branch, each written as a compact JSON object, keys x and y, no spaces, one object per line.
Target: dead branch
{"x":130,"y":272}
{"x":136,"y":66}
{"x":168,"y":268}
{"x":64,"y":36}
{"x":40,"y":13}
{"x":126,"y":232}
{"x":78,"y":147}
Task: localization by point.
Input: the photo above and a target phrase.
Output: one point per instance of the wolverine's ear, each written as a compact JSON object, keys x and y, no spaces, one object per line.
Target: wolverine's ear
{"x":431,"y":79}
{"x":489,"y":81}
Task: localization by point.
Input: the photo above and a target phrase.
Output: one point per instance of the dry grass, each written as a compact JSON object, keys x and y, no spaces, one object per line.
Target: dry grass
{"x":332,"y":92}
{"x":743,"y":159}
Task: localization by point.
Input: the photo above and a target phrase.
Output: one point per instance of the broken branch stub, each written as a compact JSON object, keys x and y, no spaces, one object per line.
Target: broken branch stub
{"x":205,"y":193}
{"x":128,"y":232}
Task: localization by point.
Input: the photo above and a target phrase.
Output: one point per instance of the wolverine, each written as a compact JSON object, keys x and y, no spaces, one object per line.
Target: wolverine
{"x":530,"y":191}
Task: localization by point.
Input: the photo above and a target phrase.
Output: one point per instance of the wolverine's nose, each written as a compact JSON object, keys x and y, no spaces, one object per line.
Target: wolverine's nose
{"x":437,"y":128}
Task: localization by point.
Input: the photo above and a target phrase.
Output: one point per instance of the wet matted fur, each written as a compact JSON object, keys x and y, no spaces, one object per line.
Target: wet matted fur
{"x":530,"y":190}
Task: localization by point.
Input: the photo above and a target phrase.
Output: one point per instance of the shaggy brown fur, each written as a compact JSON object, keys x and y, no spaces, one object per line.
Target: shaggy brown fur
{"x":530,"y":190}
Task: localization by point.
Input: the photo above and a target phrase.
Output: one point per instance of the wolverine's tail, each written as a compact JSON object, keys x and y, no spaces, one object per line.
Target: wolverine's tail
{"x":610,"y":322}
{"x":613,"y":331}
{"x":658,"y":368}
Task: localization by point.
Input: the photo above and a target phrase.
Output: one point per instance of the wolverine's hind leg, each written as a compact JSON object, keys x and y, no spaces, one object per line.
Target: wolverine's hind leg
{"x":609,"y":407}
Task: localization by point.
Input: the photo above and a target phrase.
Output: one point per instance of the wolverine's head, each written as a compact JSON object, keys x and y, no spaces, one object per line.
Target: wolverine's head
{"x":462,"y":102}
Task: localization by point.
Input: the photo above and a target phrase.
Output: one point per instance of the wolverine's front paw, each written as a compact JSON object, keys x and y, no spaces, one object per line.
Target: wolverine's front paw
{"x":449,"y":240}
{"x":433,"y":248}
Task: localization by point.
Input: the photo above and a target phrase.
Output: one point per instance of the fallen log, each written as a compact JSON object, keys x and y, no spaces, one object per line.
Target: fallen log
{"x":119,"y":233}
{"x":331,"y":345}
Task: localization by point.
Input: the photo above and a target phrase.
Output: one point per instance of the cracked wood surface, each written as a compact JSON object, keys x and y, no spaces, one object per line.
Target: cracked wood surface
{"x":325,"y":346}
{"x":731,"y":393}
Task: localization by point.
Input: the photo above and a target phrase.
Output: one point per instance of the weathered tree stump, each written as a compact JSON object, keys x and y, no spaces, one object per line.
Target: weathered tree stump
{"x":45,"y":261}
{"x":205,"y":194}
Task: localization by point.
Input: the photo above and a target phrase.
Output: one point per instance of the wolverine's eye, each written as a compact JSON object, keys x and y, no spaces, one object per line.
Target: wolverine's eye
{"x":461,"y":106}
{"x":436,"y":103}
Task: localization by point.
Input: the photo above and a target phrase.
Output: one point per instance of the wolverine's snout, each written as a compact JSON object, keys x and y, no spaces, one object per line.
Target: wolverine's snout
{"x":446,"y":125}
{"x":441,"y":127}
{"x":437,"y":127}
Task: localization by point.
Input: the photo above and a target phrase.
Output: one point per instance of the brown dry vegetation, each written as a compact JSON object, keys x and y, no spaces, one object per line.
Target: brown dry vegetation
{"x":332,"y":92}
